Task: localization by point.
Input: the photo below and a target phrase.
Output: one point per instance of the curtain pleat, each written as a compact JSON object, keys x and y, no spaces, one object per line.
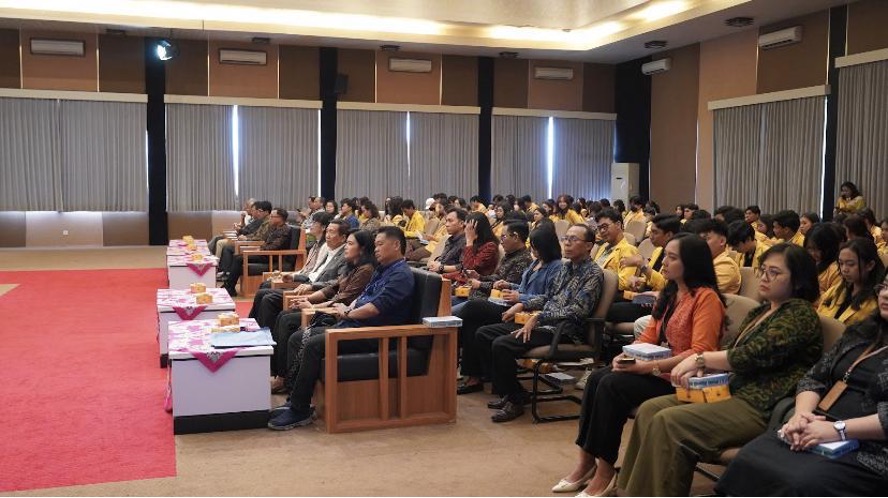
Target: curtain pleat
{"x":30,"y":162}
{"x":583,"y":154}
{"x":771,"y":155}
{"x":200,"y":159}
{"x":862,"y":148}
{"x":371,"y":154}
{"x":104,"y":162}
{"x":278,"y":154}
{"x":443,"y":155}
{"x":518,"y":156}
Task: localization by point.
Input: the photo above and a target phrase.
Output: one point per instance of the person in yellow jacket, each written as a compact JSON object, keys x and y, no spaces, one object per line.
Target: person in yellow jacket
{"x":727,"y":272}
{"x":415,"y":222}
{"x":664,"y":227}
{"x":850,"y":199}
{"x":748,"y":248}
{"x":614,"y":247}
{"x":563,"y":211}
{"x":822,"y":243}
{"x":869,"y":217}
{"x":884,"y":234}
{"x":636,"y":210}
{"x":786,"y":227}
{"x":854,"y":298}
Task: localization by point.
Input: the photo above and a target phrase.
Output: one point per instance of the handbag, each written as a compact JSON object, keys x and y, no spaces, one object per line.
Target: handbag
{"x":322,"y":319}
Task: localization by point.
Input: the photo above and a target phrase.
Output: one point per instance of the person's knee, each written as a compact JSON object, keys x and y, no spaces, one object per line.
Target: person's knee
{"x":503,"y":345}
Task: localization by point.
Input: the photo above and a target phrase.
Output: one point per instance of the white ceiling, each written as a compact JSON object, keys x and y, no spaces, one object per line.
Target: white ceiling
{"x":703,"y":20}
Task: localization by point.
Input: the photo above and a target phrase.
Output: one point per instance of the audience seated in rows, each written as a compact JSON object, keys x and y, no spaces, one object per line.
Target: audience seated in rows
{"x":742,"y":239}
{"x":247,"y":225}
{"x":480,"y":253}
{"x":727,"y":272}
{"x":822,"y":243}
{"x":786,"y":228}
{"x":853,"y":299}
{"x":279,"y":236}
{"x":451,"y":255}
{"x":260,"y":212}
{"x":614,"y":247}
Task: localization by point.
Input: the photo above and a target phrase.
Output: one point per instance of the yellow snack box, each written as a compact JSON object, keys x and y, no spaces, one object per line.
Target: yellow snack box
{"x":523,"y":317}
{"x":203,"y":298}
{"x":198,"y":287}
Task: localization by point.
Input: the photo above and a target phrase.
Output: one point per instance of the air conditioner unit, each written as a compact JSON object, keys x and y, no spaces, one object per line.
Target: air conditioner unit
{"x":410,"y":65}
{"x":624,"y":181}
{"x":57,"y":47}
{"x":553,"y":73}
{"x":780,"y":38}
{"x":657,"y":66}
{"x":232,"y":56}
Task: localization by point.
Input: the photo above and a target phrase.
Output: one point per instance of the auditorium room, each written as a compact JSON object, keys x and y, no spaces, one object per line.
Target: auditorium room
{"x":444,"y":248}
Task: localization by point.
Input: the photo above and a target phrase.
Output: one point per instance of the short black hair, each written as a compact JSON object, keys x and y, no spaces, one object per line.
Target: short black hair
{"x":856,"y":226}
{"x":544,"y":241}
{"x":692,"y":206}
{"x":408,"y":204}
{"x":811,"y":216}
{"x":518,"y":228}
{"x":477,"y":198}
{"x":867,"y":214}
{"x":739,"y":232}
{"x":668,"y":223}
{"x":803,"y":271}
{"x":391,"y":232}
{"x":323,"y":217}
{"x":609,"y":214}
{"x":788,"y":219}
{"x":754,"y":209}
{"x":636,"y":200}
{"x":824,"y":237}
{"x":350,"y":203}
{"x":282,"y":212}
{"x":729,"y":213}
{"x":460,"y":213}
{"x":590,"y":234}
{"x":342,"y":226}
{"x":700,"y":214}
{"x":263,"y":206}
{"x":714,"y":226}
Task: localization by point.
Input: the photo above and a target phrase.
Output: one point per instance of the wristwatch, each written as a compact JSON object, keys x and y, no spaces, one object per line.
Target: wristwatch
{"x":700,"y":361}
{"x":840,"y":428}
{"x":656,"y":370}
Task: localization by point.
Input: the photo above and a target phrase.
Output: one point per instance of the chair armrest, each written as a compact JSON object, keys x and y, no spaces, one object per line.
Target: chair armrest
{"x":387,"y":331}
{"x":239,"y":245}
{"x":278,"y":252}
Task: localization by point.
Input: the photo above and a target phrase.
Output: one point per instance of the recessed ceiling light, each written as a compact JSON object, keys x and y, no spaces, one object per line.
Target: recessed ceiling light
{"x":390,"y":48}
{"x":656,"y":44}
{"x":509,"y":55}
{"x":739,"y":22}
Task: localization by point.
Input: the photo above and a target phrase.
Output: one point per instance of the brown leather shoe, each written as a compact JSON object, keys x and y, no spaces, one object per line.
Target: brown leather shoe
{"x":510,"y":412}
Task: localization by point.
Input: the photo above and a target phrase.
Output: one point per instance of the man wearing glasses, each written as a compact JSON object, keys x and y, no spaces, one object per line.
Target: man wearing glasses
{"x":615,"y":248}
{"x":570,"y":299}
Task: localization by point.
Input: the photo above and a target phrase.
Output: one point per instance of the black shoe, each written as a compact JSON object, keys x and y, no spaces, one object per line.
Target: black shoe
{"x":291,"y":419}
{"x":510,"y":412}
{"x":470,"y":388}
{"x":522,"y":399}
{"x":231,"y":290}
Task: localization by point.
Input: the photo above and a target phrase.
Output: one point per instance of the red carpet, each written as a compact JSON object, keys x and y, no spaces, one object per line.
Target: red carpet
{"x":81,"y":399}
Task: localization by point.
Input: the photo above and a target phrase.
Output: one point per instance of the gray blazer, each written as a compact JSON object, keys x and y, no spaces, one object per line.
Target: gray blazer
{"x":331,"y":273}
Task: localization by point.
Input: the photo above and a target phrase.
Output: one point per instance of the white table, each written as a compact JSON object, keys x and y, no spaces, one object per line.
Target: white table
{"x":236,"y":396}
{"x":183,"y":271}
{"x":174,"y":305}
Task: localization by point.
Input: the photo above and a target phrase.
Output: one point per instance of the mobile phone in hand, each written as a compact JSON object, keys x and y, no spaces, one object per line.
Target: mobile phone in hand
{"x":626,"y":361}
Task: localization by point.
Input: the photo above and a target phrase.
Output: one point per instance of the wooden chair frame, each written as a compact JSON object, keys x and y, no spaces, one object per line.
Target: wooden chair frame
{"x":250,"y":283}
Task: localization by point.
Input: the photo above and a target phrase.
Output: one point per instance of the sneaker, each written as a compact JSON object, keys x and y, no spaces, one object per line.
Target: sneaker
{"x":279,"y":409}
{"x":581,"y":384}
{"x":510,"y":412}
{"x":522,"y":399}
{"x":291,"y":419}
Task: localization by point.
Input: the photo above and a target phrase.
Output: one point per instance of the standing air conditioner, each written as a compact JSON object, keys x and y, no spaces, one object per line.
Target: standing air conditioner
{"x":624,"y":181}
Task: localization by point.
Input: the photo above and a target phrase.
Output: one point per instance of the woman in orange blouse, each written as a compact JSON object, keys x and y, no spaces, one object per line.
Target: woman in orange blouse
{"x":688,"y":318}
{"x":481,"y":252}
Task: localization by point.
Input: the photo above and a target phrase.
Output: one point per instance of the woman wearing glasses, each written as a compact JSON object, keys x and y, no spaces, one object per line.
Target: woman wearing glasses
{"x":778,"y":342}
{"x":845,"y":396}
{"x":852,"y":299}
{"x":688,"y":318}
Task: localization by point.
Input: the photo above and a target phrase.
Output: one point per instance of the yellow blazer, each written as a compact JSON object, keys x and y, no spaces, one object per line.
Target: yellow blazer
{"x":571,"y":216}
{"x":415,"y":226}
{"x":633,"y":216}
{"x":609,"y":259}
{"x":877,"y":237}
{"x":727,"y":273}
{"x":797,"y":239}
{"x":828,"y":278}
{"x":850,"y":206}
{"x":833,"y":299}
{"x":655,"y":281}
{"x":439,"y":234}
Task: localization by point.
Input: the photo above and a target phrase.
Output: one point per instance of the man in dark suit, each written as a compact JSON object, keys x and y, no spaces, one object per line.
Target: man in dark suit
{"x":279,"y":237}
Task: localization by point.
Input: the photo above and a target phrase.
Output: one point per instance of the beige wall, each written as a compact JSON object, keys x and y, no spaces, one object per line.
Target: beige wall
{"x":562,"y":95}
{"x":799,"y":65}
{"x":674,"y":97}
{"x":54,"y":72}
{"x":727,"y":70}
{"x":243,"y":80}
{"x":866,"y":26}
{"x":407,"y":88}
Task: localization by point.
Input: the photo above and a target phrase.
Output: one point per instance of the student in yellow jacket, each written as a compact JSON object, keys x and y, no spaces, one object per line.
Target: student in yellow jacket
{"x":869,"y":217}
{"x":748,"y":248}
{"x":636,"y":210}
{"x":563,"y":211}
{"x":727,"y":272}
{"x":854,"y":298}
{"x":664,"y":228}
{"x":822,"y":243}
{"x":415,"y":222}
{"x":850,"y":199}
{"x":614,"y":247}
{"x":786,"y":227}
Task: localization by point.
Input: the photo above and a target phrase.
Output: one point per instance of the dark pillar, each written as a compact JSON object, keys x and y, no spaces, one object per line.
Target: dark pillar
{"x":155,"y":87}
{"x":328,"y":71}
{"x":633,"y":106}
{"x":838,"y":24}
{"x":485,"y":125}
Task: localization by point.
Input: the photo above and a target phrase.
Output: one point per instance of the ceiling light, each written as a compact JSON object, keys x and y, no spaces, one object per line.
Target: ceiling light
{"x":166,"y":50}
{"x":739,"y":22}
{"x":660,"y":10}
{"x":656,"y":44}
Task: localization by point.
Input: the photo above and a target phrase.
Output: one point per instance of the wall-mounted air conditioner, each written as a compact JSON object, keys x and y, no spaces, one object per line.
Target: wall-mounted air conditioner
{"x":657,"y":66}
{"x":233,"y":56}
{"x":73,"y":48}
{"x":553,"y":73}
{"x":780,"y":38}
{"x":410,"y":65}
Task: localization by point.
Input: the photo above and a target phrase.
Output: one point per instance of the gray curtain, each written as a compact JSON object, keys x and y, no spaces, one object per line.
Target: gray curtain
{"x":770,"y":154}
{"x":278,"y":154}
{"x":518,"y":156}
{"x":583,"y":154}
{"x":862,"y":154}
{"x":200,"y":159}
{"x":104,"y":162}
{"x":29,"y":155}
{"x":443,"y":155}
{"x":371,"y":154}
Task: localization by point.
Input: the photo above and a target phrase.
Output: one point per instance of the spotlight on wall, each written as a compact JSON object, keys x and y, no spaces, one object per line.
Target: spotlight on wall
{"x":166,"y":50}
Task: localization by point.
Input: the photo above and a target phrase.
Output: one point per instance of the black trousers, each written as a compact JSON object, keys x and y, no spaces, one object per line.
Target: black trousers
{"x":499,"y":351}
{"x":236,"y":268}
{"x":475,"y":314}
{"x":267,"y":303}
{"x":226,"y":258}
{"x":294,"y":352}
{"x":286,"y":323}
{"x":627,"y":311}
{"x":607,"y":401}
{"x":309,"y":372}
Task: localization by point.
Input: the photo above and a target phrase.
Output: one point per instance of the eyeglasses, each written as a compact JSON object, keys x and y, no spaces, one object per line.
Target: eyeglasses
{"x":573,"y":239}
{"x":602,"y":227}
{"x":771,"y":273}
